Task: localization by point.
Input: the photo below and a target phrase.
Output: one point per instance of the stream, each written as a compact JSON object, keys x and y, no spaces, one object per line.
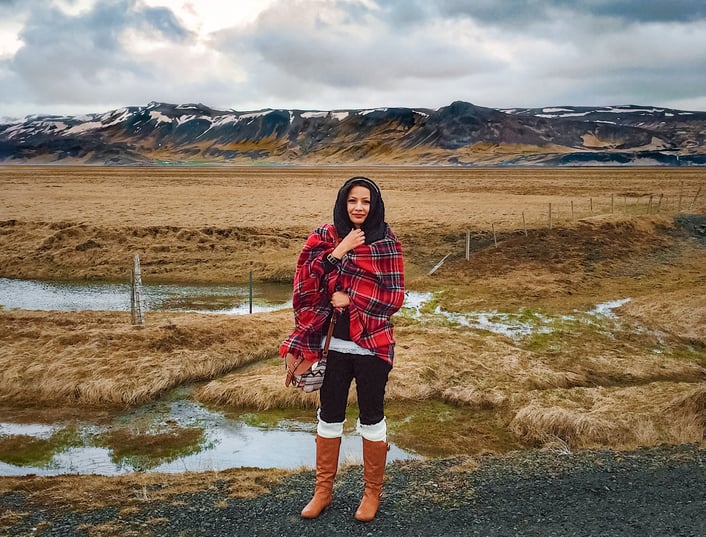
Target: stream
{"x":177,"y":434}
{"x":106,"y":296}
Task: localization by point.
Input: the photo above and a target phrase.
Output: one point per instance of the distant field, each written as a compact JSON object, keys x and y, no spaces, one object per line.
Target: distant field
{"x":303,"y":196}
{"x":217,"y":224}
{"x":575,"y":380}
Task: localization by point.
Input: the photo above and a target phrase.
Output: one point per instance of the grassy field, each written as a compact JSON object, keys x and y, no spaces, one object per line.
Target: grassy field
{"x":573,"y":379}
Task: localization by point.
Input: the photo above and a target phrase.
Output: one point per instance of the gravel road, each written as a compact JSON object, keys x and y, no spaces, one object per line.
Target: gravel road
{"x":649,"y":492}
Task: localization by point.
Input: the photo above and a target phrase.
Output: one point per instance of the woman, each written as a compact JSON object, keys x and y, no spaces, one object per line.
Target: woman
{"x":351,"y":270}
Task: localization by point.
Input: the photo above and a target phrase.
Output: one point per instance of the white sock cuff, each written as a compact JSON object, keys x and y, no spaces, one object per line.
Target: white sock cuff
{"x":373,"y":433}
{"x":329,"y":430}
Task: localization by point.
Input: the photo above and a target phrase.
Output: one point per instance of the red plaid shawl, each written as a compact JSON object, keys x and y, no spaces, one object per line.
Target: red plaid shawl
{"x":373,"y":277}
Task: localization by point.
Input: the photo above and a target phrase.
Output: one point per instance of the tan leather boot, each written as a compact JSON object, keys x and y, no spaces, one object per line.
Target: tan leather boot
{"x":374,"y":459}
{"x":326,"y":466}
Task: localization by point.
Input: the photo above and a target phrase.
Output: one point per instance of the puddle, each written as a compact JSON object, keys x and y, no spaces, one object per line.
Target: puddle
{"x":514,"y":325}
{"x":170,"y":437}
{"x":78,"y":296}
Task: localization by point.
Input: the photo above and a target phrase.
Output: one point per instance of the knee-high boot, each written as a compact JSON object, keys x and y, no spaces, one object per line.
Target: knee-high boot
{"x":327,"y":450}
{"x":374,"y":459}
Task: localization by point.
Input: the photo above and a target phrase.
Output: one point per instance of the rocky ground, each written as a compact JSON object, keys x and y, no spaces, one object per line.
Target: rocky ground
{"x":649,"y":492}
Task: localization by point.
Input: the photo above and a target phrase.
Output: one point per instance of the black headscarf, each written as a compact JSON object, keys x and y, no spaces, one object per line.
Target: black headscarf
{"x":374,"y":225}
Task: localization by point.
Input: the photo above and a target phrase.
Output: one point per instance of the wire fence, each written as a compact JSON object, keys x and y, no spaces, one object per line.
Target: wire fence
{"x":568,"y":213}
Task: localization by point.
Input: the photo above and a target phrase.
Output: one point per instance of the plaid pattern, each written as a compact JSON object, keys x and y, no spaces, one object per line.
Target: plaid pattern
{"x":373,"y":277}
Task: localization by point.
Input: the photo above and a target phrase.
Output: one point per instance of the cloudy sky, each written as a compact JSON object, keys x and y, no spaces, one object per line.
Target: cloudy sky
{"x":82,"y":56}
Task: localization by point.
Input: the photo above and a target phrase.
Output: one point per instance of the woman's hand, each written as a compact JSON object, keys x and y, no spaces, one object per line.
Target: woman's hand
{"x":339,"y":299}
{"x":355,"y":238}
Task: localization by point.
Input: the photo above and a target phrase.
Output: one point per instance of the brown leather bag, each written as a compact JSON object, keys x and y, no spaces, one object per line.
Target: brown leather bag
{"x":308,"y":378}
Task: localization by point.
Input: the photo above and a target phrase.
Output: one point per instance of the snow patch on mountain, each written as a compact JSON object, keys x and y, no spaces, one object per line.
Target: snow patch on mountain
{"x":159,"y":117}
{"x":83,"y":127}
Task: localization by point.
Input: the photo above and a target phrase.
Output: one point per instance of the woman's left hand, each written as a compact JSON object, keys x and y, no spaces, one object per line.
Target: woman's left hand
{"x":339,"y":299}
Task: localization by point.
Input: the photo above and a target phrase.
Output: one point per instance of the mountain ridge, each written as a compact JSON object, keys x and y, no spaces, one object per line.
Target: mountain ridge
{"x":460,"y":134}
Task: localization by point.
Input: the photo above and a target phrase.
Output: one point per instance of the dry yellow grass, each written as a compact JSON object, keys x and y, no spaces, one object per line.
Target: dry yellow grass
{"x":622,"y":418}
{"x":126,"y":491}
{"x":681,"y":312}
{"x":89,"y":359}
{"x":217,"y":224}
{"x":637,"y":381}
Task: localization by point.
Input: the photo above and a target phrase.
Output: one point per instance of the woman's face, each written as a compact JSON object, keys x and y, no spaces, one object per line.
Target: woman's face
{"x":358,"y":205}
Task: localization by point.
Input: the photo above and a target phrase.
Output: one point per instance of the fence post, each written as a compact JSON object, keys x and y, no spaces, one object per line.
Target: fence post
{"x":495,"y":239}
{"x":468,"y":245}
{"x":572,"y":210}
{"x":695,"y":197}
{"x":612,"y":203}
{"x":550,"y":216}
{"x":649,"y":205}
{"x":438,"y":265}
{"x":251,"y":291}
{"x":524,"y":223}
{"x":137,"y":306}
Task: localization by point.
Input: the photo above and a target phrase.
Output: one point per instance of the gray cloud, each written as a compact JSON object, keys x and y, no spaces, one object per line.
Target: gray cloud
{"x":164,"y":21}
{"x":513,"y":12}
{"x":360,"y":50}
{"x":341,"y":54}
{"x":81,"y":58}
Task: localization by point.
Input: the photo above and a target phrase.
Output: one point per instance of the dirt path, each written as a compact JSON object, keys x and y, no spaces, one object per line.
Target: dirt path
{"x":649,"y":492}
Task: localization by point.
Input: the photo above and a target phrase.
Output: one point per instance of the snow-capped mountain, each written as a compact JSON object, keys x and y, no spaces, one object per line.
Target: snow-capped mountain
{"x":458,"y":134}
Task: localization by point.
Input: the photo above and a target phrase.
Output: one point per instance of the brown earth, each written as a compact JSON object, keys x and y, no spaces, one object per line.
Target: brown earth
{"x":636,"y":380}
{"x":217,"y":224}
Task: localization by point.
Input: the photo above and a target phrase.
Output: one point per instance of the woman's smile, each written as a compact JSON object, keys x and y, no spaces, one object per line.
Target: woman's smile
{"x":358,"y":205}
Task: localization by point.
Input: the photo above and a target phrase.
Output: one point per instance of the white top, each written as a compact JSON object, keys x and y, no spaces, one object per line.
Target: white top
{"x":346,"y":346}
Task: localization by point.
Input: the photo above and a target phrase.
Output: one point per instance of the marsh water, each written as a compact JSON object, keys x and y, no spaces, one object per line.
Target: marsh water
{"x":109,"y":296}
{"x":177,"y":434}
{"x":172,"y":435}
{"x":168,"y":436}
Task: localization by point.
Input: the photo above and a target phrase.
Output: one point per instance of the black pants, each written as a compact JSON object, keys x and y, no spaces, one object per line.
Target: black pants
{"x":370,"y":374}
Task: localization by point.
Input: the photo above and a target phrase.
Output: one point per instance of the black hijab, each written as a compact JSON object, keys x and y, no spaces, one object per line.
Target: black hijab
{"x":374,"y":225}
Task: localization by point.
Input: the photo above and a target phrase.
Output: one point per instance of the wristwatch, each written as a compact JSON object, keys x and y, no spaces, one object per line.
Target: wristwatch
{"x":331,"y":259}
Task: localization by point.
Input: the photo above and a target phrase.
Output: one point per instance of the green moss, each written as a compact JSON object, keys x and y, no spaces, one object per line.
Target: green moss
{"x":274,"y":419}
{"x":24,"y":450}
{"x":145,"y":451}
{"x":430,"y":306}
{"x":689,"y":353}
{"x":559,"y":333}
{"x":434,"y":428}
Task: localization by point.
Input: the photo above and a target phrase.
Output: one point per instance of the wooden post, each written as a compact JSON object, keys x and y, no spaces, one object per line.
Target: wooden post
{"x":572,"y":210}
{"x":438,"y":265}
{"x":625,"y":205}
{"x":495,"y":239}
{"x":612,"y":203}
{"x":659,"y":203}
{"x":251,"y":291}
{"x":681,"y":195}
{"x":137,"y":308}
{"x":468,"y":245}
{"x":550,"y":216}
{"x":649,"y":205}
{"x":695,"y":197}
{"x":524,"y":223}
{"x":591,"y":200}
